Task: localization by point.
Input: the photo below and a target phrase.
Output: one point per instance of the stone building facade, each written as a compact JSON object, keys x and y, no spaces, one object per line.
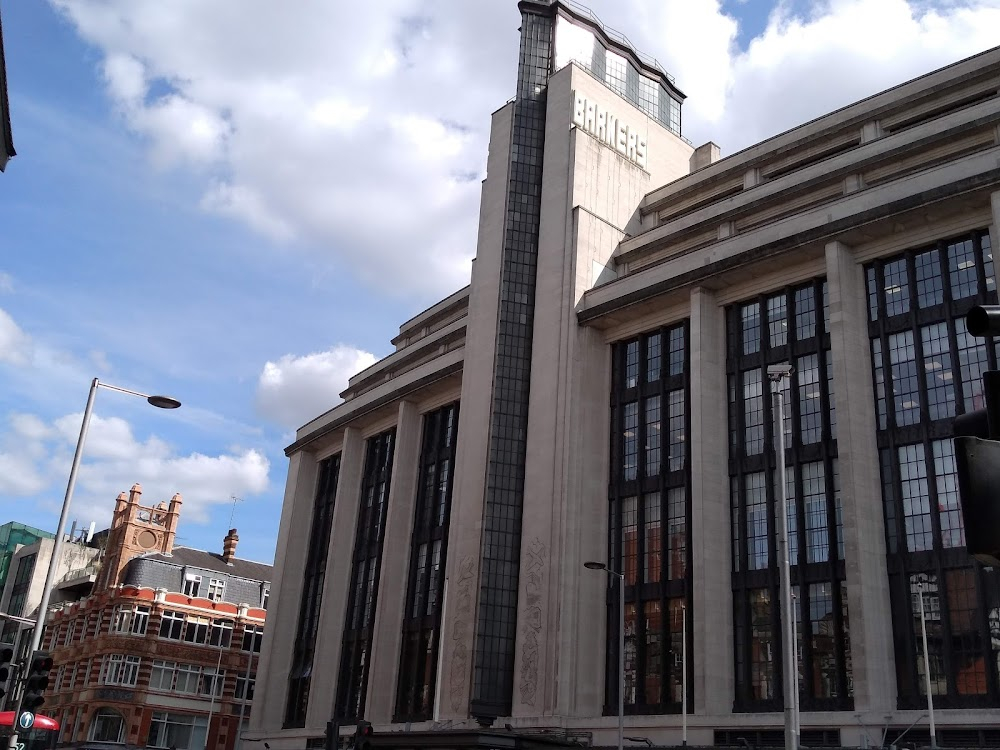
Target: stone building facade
{"x":600,"y":392}
{"x":163,"y":653}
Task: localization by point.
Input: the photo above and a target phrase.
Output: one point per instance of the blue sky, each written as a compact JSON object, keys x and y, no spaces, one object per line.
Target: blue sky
{"x":237,"y":204}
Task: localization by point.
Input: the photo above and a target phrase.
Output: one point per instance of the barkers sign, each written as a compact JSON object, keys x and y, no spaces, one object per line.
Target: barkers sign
{"x":605,"y":126}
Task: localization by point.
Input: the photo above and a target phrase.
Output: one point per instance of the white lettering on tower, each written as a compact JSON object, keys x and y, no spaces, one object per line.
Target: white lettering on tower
{"x":605,"y":126}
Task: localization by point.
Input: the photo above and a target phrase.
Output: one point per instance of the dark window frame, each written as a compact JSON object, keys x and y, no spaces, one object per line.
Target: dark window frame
{"x":421,"y":630}
{"x":938,"y":561}
{"x":747,"y":582}
{"x":626,"y":483}
{"x":303,"y":650}
{"x":359,"y":624}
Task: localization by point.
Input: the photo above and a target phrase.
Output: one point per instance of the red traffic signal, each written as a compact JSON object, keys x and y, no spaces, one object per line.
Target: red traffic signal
{"x":36,"y":681}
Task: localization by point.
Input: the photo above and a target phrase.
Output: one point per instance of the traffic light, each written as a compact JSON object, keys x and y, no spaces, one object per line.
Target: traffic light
{"x":6,"y":655}
{"x":977,"y":453}
{"x":363,"y":735}
{"x":35,"y":681}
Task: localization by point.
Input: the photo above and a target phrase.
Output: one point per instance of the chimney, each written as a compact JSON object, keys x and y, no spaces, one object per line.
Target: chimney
{"x":229,"y":547}
{"x":707,"y":153}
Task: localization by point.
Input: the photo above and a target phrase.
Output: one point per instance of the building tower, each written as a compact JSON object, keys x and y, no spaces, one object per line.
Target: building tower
{"x":137,"y":530}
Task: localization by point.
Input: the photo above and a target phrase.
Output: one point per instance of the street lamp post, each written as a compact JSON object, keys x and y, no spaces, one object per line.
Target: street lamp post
{"x":684,"y":674}
{"x":927,"y":666}
{"x":621,"y":643}
{"x":162,"y":402}
{"x":776,"y":374}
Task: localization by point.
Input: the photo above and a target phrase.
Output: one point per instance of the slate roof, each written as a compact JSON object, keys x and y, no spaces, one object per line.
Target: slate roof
{"x":198,"y":558}
{"x":6,"y":139}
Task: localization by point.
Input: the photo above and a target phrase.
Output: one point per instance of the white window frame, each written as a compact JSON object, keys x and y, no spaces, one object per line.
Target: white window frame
{"x":197,"y":729}
{"x":173,"y":617}
{"x":192,"y":585}
{"x":191,"y":630}
{"x":216,"y":589}
{"x":162,"y":675}
{"x":70,"y":632}
{"x":120,"y":669}
{"x":187,"y":675}
{"x":130,"y":620}
{"x":211,"y":678}
{"x":255,"y":633}
{"x":241,"y":685}
{"x":107,"y":713}
{"x":224,"y":629}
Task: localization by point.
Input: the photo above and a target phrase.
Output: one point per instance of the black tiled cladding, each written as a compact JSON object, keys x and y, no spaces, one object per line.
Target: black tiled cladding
{"x":493,"y":677}
{"x":160,"y":571}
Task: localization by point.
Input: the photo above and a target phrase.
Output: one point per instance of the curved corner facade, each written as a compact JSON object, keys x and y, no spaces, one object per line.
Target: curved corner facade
{"x":599,"y":392}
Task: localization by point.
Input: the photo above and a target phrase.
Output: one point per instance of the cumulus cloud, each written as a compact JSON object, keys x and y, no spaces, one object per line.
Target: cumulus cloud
{"x":294,"y":390}
{"x":35,"y":458}
{"x":369,"y":151}
{"x":15,"y":345}
{"x":811,"y":58}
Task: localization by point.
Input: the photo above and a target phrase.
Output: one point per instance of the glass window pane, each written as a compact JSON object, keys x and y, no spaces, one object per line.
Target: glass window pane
{"x":652,"y":562}
{"x":897,"y":288}
{"x":653,"y":435}
{"x":949,"y":505}
{"x":937,"y":371}
{"x":653,"y":358}
{"x":810,"y":403}
{"x":777,"y":321}
{"x":751,"y":328}
{"x":905,"y":383}
{"x":757,"y":525}
{"x":930,"y":285}
{"x":753,"y":413}
{"x":676,"y":534}
{"x":916,"y":497}
{"x":968,"y":656}
{"x":677,"y":350}
{"x":805,"y":313}
{"x":962,"y":269}
{"x":761,"y":647}
{"x":653,"y":662}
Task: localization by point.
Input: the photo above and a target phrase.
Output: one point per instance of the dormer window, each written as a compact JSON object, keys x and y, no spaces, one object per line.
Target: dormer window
{"x":216,"y":589}
{"x":192,"y":584}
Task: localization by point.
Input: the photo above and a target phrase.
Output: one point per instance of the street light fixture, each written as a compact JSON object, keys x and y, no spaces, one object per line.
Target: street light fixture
{"x":162,"y":402}
{"x":776,"y":374}
{"x":592,"y":565}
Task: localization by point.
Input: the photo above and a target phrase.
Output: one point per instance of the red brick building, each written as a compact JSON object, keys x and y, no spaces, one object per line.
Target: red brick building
{"x":163,"y":653}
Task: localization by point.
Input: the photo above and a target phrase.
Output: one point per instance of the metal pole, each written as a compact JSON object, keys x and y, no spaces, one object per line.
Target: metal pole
{"x":621,"y":659}
{"x":50,"y":574}
{"x":246,"y":692}
{"x":786,"y":599}
{"x":211,"y":706}
{"x":684,"y":675}
{"x":927,"y":667}
{"x":795,"y":642}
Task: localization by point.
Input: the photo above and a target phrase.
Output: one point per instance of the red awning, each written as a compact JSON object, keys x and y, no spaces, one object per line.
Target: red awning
{"x":41,"y":721}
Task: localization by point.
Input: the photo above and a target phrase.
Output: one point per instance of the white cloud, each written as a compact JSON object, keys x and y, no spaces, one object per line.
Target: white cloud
{"x":352,"y":150}
{"x":6,"y":283}
{"x":15,"y":345}
{"x":295,"y":390}
{"x":36,"y":457}
{"x":803,"y":64}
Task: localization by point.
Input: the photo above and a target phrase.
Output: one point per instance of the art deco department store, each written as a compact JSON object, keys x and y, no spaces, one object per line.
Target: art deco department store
{"x":598,"y":392}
